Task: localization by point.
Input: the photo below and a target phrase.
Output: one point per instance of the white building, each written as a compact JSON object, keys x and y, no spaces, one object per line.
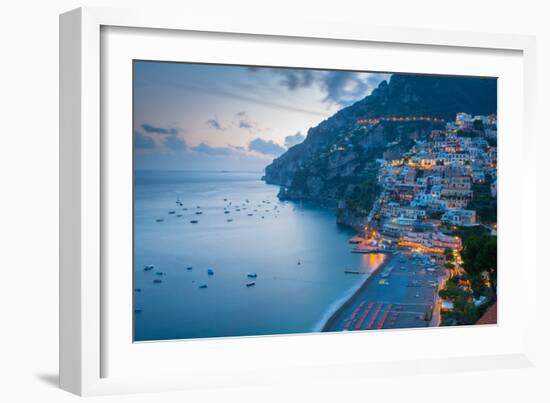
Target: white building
{"x":460,"y":217}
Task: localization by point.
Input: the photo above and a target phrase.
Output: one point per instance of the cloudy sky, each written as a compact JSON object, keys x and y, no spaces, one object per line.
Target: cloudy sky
{"x":215,"y":117}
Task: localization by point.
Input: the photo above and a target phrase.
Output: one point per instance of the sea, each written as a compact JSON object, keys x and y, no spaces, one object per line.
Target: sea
{"x":296,"y":251}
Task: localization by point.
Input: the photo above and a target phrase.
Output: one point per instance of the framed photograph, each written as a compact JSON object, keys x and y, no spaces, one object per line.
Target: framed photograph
{"x":250,"y":204}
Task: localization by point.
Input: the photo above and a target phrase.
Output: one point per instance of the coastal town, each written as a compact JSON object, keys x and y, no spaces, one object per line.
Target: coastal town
{"x":381,"y":215}
{"x":436,"y":211}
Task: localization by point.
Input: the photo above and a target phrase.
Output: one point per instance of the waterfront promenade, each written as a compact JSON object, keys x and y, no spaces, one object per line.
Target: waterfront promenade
{"x":400,"y":294}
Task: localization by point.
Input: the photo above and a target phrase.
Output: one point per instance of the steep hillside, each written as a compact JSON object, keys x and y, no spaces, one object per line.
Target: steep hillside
{"x":335,"y":163}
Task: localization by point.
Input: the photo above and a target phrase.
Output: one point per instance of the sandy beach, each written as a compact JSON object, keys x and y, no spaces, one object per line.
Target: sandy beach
{"x":360,"y":290}
{"x":399,"y":294}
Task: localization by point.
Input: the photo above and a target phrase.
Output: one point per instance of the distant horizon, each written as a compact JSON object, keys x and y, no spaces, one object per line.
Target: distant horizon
{"x":197,"y":170}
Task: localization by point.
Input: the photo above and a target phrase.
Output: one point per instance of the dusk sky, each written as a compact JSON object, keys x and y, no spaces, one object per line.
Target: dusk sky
{"x":215,"y":117}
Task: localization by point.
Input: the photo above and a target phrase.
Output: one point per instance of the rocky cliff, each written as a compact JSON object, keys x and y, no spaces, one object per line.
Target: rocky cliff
{"x":335,"y":163}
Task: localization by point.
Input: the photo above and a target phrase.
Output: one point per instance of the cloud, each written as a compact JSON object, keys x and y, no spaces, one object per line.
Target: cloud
{"x":294,"y":139}
{"x":254,"y":99}
{"x":143,"y":141}
{"x":206,"y":149}
{"x":294,"y":79}
{"x":344,"y":87}
{"x":175,"y":142}
{"x":215,"y":124}
{"x":245,"y":124}
{"x":340,"y":87}
{"x":159,"y":130}
{"x":268,"y":147}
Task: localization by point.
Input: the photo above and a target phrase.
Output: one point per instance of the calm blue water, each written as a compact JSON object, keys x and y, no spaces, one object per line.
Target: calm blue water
{"x":287,"y":297}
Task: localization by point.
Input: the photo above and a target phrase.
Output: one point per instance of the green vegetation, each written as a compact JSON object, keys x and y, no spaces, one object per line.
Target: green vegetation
{"x":492,"y":142}
{"x":464,"y":311}
{"x":479,"y":279}
{"x":484,"y":204}
{"x":435,"y":215}
{"x":299,"y":180}
{"x":480,"y":263}
{"x":363,"y":195}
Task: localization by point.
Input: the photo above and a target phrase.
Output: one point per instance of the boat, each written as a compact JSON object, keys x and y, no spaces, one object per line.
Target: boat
{"x":353,"y":272}
{"x":198,"y":213}
{"x":157,"y":281}
{"x":226,"y":212}
{"x":160,"y":273}
{"x":159,"y":220}
{"x":189,"y":268}
{"x":137,"y":310}
{"x":229,"y":219}
{"x":179,"y":215}
{"x":203,"y":286}
{"x":250,"y":214}
{"x":210,"y":272}
{"x":194,"y":222}
{"x":252,"y":275}
{"x":251,"y":284}
{"x":137,"y":290}
{"x":148,"y":267}
{"x":172,"y":212}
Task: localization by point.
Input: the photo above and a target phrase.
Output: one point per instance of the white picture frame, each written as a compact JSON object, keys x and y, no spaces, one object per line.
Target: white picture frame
{"x":85,"y":345}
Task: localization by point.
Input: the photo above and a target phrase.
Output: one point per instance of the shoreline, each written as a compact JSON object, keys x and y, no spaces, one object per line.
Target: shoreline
{"x":365,"y":283}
